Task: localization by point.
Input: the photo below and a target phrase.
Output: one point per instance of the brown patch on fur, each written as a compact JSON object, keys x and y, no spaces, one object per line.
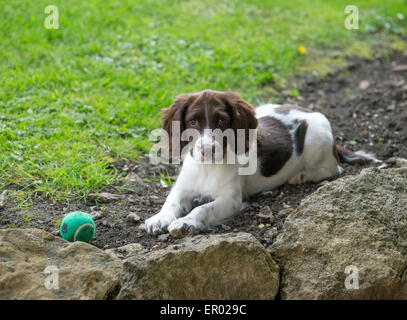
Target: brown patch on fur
{"x":274,"y":145}
{"x":243,"y":116}
{"x":300,"y":137}
{"x":286,"y":108}
{"x":347,"y":156}
{"x":336,"y":155}
{"x":343,"y":155}
{"x":334,"y":149}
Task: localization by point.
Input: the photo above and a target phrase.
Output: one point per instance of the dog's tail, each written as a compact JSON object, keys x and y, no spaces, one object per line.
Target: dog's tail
{"x":346,"y":156}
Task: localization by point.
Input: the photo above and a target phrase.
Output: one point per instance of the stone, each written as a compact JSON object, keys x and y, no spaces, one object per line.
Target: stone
{"x":356,"y":221}
{"x":226,"y":266}
{"x":364,"y":84}
{"x":399,"y":162}
{"x":266,"y":214}
{"x":133,"y":218}
{"x":30,"y":258}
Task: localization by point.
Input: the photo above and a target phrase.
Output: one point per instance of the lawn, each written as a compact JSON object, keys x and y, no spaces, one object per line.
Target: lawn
{"x":75,"y":99}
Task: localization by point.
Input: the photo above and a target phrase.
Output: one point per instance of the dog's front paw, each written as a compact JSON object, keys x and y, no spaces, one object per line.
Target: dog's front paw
{"x":159,"y":223}
{"x":184,"y":227}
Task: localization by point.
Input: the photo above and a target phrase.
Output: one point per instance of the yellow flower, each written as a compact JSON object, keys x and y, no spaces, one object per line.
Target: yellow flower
{"x":302,"y":50}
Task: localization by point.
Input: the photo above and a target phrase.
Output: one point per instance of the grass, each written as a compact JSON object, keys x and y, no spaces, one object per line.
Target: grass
{"x":75,"y":99}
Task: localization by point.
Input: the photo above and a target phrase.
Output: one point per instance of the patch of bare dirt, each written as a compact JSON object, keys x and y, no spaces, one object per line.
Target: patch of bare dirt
{"x":366,"y":103}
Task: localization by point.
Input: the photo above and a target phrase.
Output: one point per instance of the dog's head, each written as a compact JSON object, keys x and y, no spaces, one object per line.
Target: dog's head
{"x":212,"y":118}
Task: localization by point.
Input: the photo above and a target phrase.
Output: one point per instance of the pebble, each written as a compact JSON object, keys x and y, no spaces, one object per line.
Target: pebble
{"x":263,"y":216}
{"x":225,"y":227}
{"x":400,"y":162}
{"x":271,"y":233}
{"x":107,"y":223}
{"x":265,"y":212}
{"x":132,"y":217}
{"x":96,"y":215}
{"x":267,"y":215}
{"x":391,"y":107}
{"x":363,"y":85}
{"x":163,"y":237}
{"x":157,"y":200}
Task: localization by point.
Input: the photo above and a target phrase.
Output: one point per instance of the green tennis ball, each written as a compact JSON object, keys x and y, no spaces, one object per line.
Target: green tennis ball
{"x":77,"y":226}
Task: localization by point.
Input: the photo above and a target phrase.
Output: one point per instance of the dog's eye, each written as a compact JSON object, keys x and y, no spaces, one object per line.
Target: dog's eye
{"x":192,"y":122}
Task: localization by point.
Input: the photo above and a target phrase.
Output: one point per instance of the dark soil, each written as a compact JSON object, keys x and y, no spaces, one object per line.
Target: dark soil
{"x":373,"y":119}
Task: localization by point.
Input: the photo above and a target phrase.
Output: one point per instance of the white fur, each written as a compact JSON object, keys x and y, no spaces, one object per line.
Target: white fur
{"x":223,"y":183}
{"x":368,"y":155}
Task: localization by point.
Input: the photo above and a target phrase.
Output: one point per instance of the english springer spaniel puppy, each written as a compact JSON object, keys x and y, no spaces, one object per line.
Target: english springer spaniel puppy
{"x":294,"y":145}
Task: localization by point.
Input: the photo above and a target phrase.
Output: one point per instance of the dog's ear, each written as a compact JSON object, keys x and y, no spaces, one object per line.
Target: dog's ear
{"x":175,"y":115}
{"x":243,"y":115}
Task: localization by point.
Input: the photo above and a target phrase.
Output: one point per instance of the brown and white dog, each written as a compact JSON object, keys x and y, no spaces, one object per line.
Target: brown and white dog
{"x":293,"y":144}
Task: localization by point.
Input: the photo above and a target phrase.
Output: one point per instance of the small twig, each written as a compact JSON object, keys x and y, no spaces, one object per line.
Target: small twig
{"x":106,"y":197}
